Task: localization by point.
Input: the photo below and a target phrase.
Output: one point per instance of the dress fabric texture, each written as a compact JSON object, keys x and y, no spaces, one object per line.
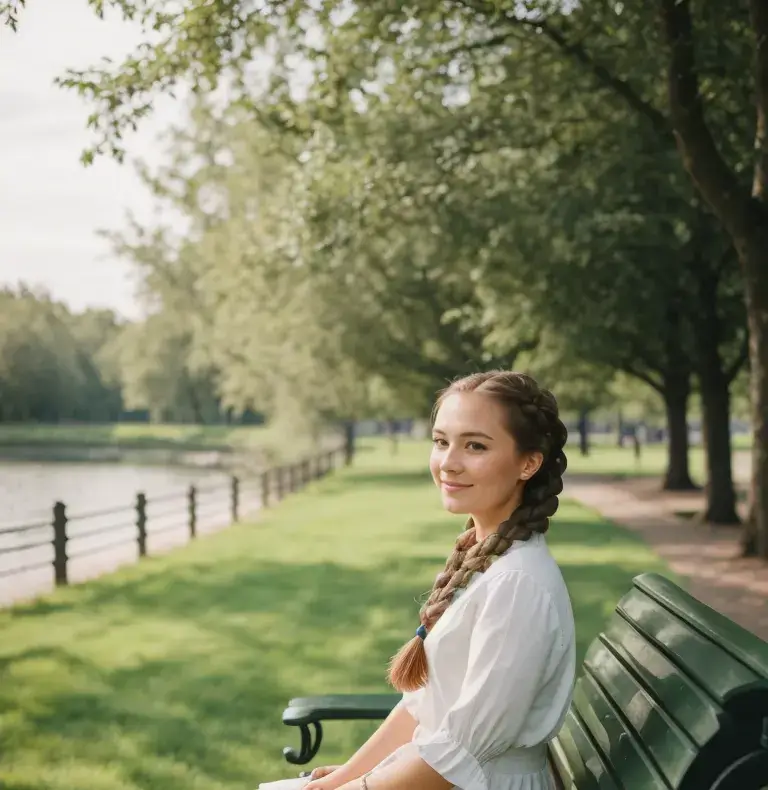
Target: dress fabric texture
{"x":502,"y":663}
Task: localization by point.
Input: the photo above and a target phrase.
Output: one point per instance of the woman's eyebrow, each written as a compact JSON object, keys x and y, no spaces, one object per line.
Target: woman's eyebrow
{"x":466,"y":434}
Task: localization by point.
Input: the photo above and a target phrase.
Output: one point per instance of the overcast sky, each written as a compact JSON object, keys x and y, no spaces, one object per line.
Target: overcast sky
{"x":50,"y":205}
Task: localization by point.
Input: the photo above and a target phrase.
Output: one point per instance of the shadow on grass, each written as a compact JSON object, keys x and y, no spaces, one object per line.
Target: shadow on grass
{"x":182,"y":674}
{"x":175,"y":677}
{"x":379,"y":480}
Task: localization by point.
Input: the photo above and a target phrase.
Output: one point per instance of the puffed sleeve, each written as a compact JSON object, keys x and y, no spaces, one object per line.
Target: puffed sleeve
{"x":411,"y":701}
{"x":512,"y":643}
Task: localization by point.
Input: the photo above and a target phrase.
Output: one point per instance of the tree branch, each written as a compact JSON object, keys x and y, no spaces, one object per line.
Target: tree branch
{"x":739,"y":361}
{"x":632,"y":370}
{"x":758,"y":12}
{"x":620,"y":87}
{"x":579,"y":53}
{"x":717,"y":182}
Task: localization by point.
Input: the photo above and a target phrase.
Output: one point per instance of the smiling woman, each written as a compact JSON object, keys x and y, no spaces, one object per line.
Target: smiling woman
{"x":488,"y":678}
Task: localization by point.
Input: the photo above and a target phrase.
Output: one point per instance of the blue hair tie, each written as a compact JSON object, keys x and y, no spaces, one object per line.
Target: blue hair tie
{"x":421,"y":632}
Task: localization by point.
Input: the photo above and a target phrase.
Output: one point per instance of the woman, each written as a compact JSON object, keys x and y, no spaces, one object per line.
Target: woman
{"x":487,"y":679}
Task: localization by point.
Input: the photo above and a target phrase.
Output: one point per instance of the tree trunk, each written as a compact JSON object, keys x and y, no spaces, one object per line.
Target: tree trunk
{"x":349,"y":441}
{"x":716,"y":405}
{"x":393,"y":435}
{"x":755,"y":262}
{"x":744,"y":213}
{"x":584,"y":431}
{"x":676,"y":393}
{"x":620,"y":429}
{"x":194,"y":402}
{"x":715,"y":399}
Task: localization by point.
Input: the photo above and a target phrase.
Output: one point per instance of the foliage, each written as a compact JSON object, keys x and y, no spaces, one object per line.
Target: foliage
{"x":51,"y":363}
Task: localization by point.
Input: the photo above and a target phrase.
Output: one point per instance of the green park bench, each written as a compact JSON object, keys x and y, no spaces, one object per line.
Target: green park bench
{"x":672,"y":696}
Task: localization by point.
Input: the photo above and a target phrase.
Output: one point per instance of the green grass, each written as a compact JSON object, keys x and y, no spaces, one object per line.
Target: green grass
{"x":172,"y":674}
{"x":621,"y":461}
{"x":143,"y":435}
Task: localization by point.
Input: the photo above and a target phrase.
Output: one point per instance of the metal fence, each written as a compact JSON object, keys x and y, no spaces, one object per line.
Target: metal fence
{"x":67,"y":537}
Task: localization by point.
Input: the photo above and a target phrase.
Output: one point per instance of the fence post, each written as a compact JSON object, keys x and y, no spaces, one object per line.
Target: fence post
{"x":192,"y":507}
{"x":141,"y":523}
{"x":349,"y":442}
{"x":60,"y":544}
{"x":265,"y":488}
{"x":235,"y":499}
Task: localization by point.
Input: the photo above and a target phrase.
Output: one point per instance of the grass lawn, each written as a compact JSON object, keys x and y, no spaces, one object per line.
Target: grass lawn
{"x":134,"y":434}
{"x":621,"y":461}
{"x":143,"y":435}
{"x":172,"y":674}
{"x":53,"y":440}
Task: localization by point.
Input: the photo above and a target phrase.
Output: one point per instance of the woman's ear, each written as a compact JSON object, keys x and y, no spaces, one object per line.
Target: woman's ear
{"x":532,"y":465}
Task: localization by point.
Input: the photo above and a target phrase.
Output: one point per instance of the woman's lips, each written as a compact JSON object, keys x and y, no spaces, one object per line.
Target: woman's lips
{"x":453,"y":487}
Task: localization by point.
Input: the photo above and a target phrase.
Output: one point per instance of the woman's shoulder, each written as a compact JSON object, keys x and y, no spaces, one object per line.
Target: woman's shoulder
{"x":529,"y":558}
{"x":529,"y":569}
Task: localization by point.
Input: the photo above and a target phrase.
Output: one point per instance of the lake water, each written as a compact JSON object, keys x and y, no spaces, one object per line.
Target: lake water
{"x":100,"y":500}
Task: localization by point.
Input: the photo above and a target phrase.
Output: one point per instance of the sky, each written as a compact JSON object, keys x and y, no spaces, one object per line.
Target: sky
{"x":51,"y":207}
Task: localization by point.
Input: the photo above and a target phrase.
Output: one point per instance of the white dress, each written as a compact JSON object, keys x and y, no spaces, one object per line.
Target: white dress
{"x":502,"y":668}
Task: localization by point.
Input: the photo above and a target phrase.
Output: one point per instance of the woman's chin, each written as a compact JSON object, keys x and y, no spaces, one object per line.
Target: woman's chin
{"x":452,"y":506}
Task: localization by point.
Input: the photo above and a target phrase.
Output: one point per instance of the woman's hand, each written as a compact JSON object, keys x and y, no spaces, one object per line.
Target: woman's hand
{"x":323,"y":770}
{"x":319,"y":778}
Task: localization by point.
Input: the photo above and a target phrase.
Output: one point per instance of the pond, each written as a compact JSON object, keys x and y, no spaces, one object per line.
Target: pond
{"x":100,"y":500}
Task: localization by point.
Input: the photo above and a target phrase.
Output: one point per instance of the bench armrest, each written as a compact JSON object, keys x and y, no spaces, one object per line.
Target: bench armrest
{"x":305,"y":711}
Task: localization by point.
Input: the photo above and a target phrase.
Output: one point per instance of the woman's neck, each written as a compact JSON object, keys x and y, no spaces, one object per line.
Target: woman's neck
{"x":487,"y":524}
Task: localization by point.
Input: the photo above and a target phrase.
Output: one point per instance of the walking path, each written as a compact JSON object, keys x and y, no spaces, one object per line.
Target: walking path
{"x":707,"y":555}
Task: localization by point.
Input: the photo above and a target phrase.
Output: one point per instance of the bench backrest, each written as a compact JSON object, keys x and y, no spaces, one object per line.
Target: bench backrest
{"x":670,"y":694}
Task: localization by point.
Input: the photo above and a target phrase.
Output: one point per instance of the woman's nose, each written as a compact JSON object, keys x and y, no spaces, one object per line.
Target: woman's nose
{"x":451,"y":461}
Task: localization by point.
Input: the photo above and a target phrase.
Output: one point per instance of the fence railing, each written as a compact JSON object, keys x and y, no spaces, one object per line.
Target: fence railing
{"x":69,"y":532}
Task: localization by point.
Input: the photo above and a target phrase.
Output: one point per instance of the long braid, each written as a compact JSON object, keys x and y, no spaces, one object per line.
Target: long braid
{"x":540,"y":429}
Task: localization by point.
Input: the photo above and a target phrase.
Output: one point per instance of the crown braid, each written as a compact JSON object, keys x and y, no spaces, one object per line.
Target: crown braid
{"x":536,"y":426}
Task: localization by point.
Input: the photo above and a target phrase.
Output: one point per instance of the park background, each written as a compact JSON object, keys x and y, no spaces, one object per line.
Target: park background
{"x":354,"y":206}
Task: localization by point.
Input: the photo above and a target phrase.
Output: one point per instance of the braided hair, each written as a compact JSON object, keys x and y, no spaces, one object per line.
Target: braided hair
{"x":534,"y":423}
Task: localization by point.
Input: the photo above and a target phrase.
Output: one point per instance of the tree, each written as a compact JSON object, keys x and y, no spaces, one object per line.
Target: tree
{"x":739,"y":205}
{"x":443,"y":41}
{"x":50,"y":360}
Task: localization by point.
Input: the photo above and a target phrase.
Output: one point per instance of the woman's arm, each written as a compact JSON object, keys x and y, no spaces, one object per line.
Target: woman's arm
{"x":397,"y":729}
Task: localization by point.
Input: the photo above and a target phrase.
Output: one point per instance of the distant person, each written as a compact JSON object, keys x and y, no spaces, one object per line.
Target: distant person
{"x":488,"y":678}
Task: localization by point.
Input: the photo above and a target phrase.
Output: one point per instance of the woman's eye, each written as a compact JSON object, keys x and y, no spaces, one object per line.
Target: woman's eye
{"x":437,"y":441}
{"x":477,"y":446}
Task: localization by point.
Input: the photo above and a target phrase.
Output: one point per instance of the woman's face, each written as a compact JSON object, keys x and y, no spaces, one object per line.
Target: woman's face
{"x":475,"y":461}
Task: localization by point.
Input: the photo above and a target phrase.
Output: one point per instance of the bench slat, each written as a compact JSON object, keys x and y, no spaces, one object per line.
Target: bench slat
{"x":704,"y":661}
{"x":585,"y":764}
{"x":670,"y":747}
{"x":694,"y":711}
{"x":745,"y":646}
{"x":613,"y":738}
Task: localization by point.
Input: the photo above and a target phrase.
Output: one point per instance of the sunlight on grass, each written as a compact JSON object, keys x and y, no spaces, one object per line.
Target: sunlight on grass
{"x":133,"y":434}
{"x":173,"y":673}
{"x":621,"y":461}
